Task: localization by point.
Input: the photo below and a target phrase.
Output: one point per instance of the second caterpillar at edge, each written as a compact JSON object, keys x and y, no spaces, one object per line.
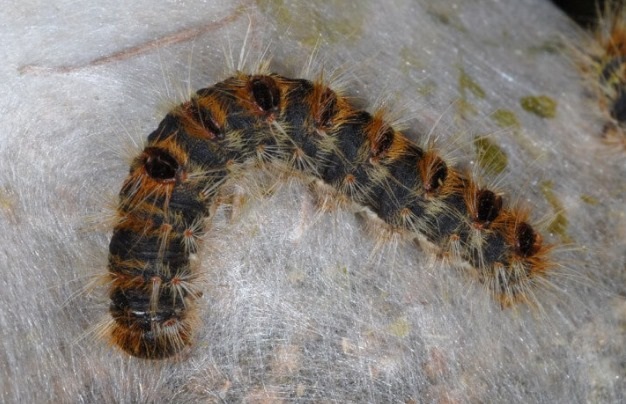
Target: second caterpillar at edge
{"x":305,"y":125}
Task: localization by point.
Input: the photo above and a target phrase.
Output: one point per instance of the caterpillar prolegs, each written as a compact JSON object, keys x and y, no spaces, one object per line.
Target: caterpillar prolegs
{"x":314,"y":130}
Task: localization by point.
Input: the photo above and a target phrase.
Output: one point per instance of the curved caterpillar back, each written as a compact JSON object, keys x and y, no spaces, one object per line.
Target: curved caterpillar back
{"x":305,"y":125}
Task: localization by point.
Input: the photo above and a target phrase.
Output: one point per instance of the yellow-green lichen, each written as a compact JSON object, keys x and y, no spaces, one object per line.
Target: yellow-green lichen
{"x":540,"y":105}
{"x":490,"y":156}
{"x":558,"y":225}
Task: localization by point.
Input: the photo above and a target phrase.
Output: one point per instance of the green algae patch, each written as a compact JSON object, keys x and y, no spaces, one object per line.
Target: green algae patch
{"x":8,"y":204}
{"x":589,"y":200}
{"x":466,"y":83}
{"x":427,"y":88}
{"x":449,"y":17}
{"x":491,"y":157}
{"x":505,"y":118}
{"x":551,"y":46}
{"x":400,"y":327}
{"x":334,"y":28}
{"x":558,"y":225}
{"x":465,"y":108}
{"x":540,"y":105}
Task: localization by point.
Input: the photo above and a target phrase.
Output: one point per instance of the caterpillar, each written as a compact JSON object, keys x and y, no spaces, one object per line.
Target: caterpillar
{"x":606,"y":64}
{"x":315,"y":131}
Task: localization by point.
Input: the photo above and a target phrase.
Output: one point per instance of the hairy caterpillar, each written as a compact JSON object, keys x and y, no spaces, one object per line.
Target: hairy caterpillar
{"x":315,"y":131}
{"x":606,"y":64}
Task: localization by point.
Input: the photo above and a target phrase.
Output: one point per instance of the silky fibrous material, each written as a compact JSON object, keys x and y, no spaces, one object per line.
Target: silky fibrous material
{"x":301,"y":303}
